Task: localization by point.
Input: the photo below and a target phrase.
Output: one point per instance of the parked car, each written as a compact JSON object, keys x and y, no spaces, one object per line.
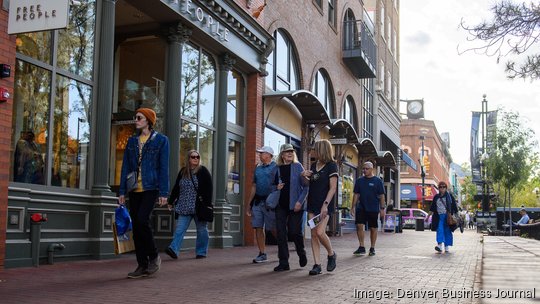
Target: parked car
{"x":410,"y":215}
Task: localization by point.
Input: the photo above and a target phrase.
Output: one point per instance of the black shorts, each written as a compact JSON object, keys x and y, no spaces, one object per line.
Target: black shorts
{"x":371,"y":218}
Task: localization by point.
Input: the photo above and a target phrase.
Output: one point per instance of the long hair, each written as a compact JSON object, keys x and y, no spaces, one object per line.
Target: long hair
{"x":186,"y":172}
{"x":279,"y":160}
{"x":324,"y":150}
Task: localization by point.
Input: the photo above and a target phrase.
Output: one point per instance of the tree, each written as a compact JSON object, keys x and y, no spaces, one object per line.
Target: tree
{"x":513,"y":30}
{"x":514,"y":158}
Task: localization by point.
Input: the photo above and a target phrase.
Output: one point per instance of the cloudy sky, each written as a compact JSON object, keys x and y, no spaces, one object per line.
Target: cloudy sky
{"x":451,"y":84}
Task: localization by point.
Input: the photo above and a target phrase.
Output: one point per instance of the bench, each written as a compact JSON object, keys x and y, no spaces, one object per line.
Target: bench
{"x":530,"y":230}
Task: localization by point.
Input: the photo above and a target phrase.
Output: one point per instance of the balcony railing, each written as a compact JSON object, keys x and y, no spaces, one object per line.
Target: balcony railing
{"x":359,"y":49}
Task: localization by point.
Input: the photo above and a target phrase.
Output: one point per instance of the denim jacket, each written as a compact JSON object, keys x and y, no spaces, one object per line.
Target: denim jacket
{"x":154,"y":163}
{"x":299,"y":186}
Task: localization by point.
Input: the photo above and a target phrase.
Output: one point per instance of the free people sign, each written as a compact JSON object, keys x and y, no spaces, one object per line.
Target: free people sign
{"x":37,"y":15}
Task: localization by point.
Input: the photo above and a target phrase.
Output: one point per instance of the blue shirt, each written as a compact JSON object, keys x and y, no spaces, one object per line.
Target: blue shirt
{"x":523,"y":220}
{"x":369,"y":190}
{"x":263,"y":178}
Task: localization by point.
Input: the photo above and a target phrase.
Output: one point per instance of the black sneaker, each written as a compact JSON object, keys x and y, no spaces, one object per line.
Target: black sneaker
{"x":315,"y":270}
{"x":198,"y":257}
{"x":360,"y":251}
{"x":281,"y":267}
{"x":371,"y":251}
{"x":171,"y":253}
{"x":154,"y":265}
{"x":331,"y":265}
{"x":138,"y":273}
{"x":438,"y":249}
{"x":302,"y":260}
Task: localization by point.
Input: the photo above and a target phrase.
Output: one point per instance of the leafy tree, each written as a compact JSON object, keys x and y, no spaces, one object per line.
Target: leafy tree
{"x":513,"y":30}
{"x":514,"y":158}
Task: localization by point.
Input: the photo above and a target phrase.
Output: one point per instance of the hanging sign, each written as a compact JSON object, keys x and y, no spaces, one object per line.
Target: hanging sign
{"x":37,"y":15}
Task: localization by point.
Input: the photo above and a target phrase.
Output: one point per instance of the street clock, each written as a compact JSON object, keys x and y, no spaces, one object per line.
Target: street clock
{"x":415,"y":109}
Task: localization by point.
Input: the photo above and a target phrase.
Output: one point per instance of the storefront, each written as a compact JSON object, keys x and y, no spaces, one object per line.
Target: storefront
{"x":198,"y":64}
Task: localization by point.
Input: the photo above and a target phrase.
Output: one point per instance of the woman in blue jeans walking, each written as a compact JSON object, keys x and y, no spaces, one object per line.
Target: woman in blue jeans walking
{"x":443,"y":204}
{"x":191,"y":193}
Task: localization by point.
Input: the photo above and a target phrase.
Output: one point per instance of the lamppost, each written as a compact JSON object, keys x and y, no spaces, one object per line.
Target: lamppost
{"x":484,"y":157}
{"x":423,"y":172}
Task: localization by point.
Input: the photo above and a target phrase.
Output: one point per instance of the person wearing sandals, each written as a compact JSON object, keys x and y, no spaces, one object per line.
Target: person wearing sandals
{"x":442,"y":203}
{"x":193,"y":181}
{"x":322,"y":177}
{"x":290,"y":210}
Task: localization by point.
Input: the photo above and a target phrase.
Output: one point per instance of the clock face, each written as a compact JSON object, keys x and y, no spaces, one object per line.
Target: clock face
{"x":414,"y":107}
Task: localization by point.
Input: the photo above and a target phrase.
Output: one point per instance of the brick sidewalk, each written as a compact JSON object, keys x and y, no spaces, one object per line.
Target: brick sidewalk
{"x":406,"y":261}
{"x":511,"y":269}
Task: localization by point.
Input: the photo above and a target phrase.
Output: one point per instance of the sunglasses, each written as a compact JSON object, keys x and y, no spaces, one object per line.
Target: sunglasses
{"x":137,"y":117}
{"x":442,"y":186}
{"x":195,"y":156}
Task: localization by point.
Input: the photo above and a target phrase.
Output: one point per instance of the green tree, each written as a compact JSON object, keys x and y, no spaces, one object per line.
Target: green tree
{"x":512,"y":31}
{"x":513,"y":160}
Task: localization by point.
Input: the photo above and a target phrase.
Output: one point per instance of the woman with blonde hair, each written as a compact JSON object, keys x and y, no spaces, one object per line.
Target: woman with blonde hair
{"x":322,"y":177}
{"x":291,"y":206}
{"x":191,"y":198}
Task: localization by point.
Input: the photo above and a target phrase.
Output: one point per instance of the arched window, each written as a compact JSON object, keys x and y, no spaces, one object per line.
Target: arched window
{"x":282,"y":65}
{"x":349,"y":112}
{"x":323,"y":90}
{"x":351,"y":37}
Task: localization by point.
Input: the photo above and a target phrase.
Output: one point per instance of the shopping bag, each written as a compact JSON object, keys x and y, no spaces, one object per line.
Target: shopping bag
{"x":123,"y":242}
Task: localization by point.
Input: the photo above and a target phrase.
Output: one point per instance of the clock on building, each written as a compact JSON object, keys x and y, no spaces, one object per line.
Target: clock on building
{"x":415,"y":109}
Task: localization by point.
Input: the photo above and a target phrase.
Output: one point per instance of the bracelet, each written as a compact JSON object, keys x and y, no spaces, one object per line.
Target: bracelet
{"x":325,"y":203}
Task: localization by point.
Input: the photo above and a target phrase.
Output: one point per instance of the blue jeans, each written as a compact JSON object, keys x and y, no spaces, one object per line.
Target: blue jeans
{"x":182,"y":225}
{"x":444,"y":234}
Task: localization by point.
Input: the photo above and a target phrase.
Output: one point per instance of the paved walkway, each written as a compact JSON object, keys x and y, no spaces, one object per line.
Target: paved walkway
{"x":511,"y":270}
{"x":404,"y":267}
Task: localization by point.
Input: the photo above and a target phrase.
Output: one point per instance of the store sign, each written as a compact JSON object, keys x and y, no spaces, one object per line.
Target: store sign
{"x":201,"y":18}
{"x":338,"y":141}
{"x":37,"y":15}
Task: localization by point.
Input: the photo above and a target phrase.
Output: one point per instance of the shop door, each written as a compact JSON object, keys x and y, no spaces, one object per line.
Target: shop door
{"x":234,"y":188}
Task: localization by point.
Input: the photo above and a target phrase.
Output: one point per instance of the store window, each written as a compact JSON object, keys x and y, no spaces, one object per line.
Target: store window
{"x":275,"y":139}
{"x":323,"y":90}
{"x":54,"y":152}
{"x":235,"y":98}
{"x":348,"y":177}
{"x":282,"y":65}
{"x":367,"y":109}
{"x":197,"y":103}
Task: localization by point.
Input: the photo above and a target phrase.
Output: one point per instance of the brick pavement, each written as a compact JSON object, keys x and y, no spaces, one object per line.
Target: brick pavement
{"x":511,"y":269}
{"x":406,"y":261}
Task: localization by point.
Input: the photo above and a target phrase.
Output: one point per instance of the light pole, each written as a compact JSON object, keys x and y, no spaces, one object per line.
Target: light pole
{"x":485,"y":188}
{"x":423,"y":173}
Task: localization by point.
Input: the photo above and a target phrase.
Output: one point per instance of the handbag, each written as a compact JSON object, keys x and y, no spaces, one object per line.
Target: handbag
{"x":450,"y":219}
{"x":272,"y":200}
{"x":204,"y":212}
{"x":131,"y":180}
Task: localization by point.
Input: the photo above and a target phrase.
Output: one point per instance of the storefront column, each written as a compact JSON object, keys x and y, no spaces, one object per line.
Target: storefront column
{"x":177,"y":36}
{"x":105,"y":66}
{"x":222,"y":210}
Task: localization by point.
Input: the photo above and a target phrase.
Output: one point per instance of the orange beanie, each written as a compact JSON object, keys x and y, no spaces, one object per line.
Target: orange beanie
{"x":149,"y":114}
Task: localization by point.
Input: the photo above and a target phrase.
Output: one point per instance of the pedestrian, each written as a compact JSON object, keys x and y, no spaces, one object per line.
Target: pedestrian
{"x":291,"y":207}
{"x":147,"y":154}
{"x":323,"y":176}
{"x":262,"y":218}
{"x":190,"y":197}
{"x":524,"y":217}
{"x":467,"y":219}
{"x":443,"y":205}
{"x":28,"y":160}
{"x":471,"y":220}
{"x":368,"y":202}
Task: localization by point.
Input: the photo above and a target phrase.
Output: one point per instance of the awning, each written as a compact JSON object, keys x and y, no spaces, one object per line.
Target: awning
{"x":413,"y":192}
{"x":408,"y":160}
{"x":386,"y":159}
{"x":341,"y":128}
{"x":366,"y":148}
{"x":312,"y":110}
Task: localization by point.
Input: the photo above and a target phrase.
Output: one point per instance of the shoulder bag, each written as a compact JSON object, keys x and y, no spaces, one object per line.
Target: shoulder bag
{"x":272,"y":200}
{"x":204,"y":212}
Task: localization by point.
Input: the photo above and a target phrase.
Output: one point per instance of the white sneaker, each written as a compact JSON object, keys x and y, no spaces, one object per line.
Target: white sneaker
{"x":446,"y":249}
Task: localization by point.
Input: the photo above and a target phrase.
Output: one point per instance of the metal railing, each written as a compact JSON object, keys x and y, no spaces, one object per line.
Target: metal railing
{"x":357,"y":36}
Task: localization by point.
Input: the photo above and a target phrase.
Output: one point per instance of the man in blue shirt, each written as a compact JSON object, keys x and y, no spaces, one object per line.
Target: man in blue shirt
{"x":368,"y":201}
{"x":262,"y":218}
{"x":524,"y":217}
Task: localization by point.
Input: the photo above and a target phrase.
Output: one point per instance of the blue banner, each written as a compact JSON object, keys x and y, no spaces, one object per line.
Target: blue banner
{"x":475,"y":149}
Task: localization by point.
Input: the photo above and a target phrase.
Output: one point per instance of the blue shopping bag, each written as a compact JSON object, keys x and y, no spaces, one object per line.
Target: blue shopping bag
{"x":122,"y":220}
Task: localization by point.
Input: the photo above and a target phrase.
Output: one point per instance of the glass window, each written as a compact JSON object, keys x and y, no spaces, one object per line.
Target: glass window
{"x":190,"y":82}
{"x":382,"y":23}
{"x":418,"y":213}
{"x":349,"y":112}
{"x":348,"y":177}
{"x":274,"y":139}
{"x":282,"y":67}
{"x":332,"y":12}
{"x":207,"y":84}
{"x":235,"y":104}
{"x":77,"y":41}
{"x":318,"y":3}
{"x":71,"y":133}
{"x":35,"y":45}
{"x":30,"y":123}
{"x":321,"y":88}
{"x":367,"y":109}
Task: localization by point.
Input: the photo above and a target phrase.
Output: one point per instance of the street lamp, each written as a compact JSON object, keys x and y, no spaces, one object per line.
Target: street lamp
{"x":423,"y":172}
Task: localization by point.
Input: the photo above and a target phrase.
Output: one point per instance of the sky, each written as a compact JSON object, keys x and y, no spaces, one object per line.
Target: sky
{"x":452,"y":85}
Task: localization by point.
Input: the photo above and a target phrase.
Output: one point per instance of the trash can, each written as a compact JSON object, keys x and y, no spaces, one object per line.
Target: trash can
{"x":419,"y":224}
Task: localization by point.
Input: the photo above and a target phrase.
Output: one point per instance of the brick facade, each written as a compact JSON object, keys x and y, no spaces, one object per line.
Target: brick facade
{"x":7,"y":56}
